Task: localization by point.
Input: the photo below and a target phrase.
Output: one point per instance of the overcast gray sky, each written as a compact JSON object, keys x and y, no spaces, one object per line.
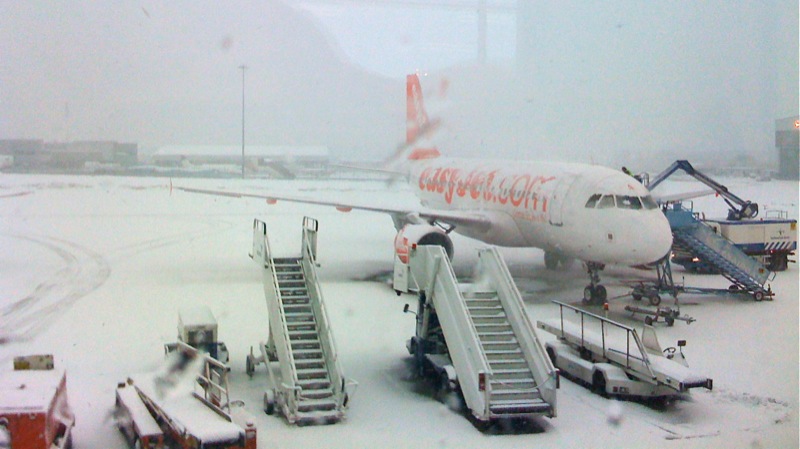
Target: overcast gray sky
{"x":601,"y":76}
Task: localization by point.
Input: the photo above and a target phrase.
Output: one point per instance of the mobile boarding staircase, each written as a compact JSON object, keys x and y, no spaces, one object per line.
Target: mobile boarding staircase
{"x":498,"y":360}
{"x":309,"y":387}
{"x":744,"y":272}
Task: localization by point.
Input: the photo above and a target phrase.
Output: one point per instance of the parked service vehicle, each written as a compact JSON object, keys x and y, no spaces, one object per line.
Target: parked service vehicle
{"x":34,"y":411}
{"x":197,"y":327}
{"x":770,"y":240}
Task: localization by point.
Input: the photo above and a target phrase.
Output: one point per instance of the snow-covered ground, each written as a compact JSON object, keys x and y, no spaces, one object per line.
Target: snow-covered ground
{"x":95,"y":269}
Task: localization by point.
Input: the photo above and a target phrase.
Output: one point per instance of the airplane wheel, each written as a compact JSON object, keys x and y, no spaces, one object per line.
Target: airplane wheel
{"x":600,"y":294}
{"x":648,"y":321}
{"x":588,"y":294}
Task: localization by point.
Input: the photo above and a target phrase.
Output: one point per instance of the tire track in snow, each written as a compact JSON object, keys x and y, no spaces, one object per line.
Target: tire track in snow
{"x":83,"y":272}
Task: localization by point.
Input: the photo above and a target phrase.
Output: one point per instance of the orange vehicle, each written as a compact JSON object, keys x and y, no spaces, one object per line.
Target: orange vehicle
{"x":34,"y":411}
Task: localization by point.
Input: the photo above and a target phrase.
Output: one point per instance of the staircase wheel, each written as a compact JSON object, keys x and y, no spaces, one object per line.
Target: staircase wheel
{"x":249,"y":366}
{"x":599,"y":383}
{"x":654,"y":299}
{"x":552,"y":354}
{"x":269,"y":402}
{"x":758,"y":295}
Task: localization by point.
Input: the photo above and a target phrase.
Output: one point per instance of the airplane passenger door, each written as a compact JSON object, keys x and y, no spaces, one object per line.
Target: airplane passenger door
{"x":557,"y":203}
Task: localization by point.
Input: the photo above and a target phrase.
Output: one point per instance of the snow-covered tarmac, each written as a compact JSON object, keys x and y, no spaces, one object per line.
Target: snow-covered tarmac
{"x":95,"y":269}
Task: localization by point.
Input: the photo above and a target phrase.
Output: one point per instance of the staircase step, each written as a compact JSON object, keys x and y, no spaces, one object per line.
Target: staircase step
{"x":502,"y":354}
{"x":318,"y":393}
{"x":314,"y":384}
{"x":509,"y":364}
{"x":519,"y":407}
{"x":295,"y":328}
{"x":301,"y":354}
{"x":309,"y":364}
{"x":518,"y":384}
{"x":305,"y":345}
{"x":308,"y":405}
{"x":313,"y":373}
{"x":506,"y":374}
{"x":504,"y":336}
{"x":497,"y":320}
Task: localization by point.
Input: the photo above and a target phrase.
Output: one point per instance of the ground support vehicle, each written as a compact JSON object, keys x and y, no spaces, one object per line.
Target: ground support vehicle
{"x":476,"y":338}
{"x":153,"y":411}
{"x":726,"y":247}
{"x":197,"y":327}
{"x":34,"y":410}
{"x":612,"y":359}
{"x":771,"y":241}
{"x":308,"y":385}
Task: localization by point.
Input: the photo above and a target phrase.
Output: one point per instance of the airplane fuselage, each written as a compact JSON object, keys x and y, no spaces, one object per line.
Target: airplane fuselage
{"x":582,"y":211}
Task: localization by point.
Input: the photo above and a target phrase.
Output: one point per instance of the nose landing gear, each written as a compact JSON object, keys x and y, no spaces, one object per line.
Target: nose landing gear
{"x":594,"y":293}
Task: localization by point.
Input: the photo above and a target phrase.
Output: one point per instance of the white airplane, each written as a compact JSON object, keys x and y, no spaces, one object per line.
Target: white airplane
{"x":571,"y":211}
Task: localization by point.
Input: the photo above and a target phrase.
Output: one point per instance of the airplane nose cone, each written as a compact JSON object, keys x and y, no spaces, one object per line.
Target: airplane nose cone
{"x":656,"y":239}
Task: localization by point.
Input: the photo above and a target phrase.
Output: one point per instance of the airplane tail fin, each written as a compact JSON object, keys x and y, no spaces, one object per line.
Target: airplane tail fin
{"x":418,"y":127}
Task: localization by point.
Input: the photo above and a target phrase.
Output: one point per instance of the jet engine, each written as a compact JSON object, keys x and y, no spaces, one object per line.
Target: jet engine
{"x":421,"y":234}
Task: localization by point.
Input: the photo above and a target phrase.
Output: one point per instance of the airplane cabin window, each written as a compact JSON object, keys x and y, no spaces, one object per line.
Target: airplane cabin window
{"x":593,"y":201}
{"x":606,"y":202}
{"x":649,"y":202}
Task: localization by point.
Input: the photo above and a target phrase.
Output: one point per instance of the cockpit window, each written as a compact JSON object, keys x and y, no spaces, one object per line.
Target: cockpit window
{"x":649,"y":202}
{"x":606,"y":202}
{"x":593,"y":201}
{"x":628,"y":202}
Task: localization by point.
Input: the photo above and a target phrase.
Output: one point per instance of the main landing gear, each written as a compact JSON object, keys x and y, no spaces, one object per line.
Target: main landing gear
{"x":594,"y":293}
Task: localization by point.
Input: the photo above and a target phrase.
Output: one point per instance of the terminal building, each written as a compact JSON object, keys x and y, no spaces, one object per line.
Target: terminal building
{"x":272,"y":161}
{"x":787,"y":141}
{"x":88,"y":155}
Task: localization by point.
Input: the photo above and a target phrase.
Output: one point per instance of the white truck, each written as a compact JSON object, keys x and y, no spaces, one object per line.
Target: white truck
{"x":197,"y":327}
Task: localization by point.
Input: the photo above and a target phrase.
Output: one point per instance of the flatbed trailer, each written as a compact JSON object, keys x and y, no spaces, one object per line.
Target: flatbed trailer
{"x":152,"y":415}
{"x":613,"y":360}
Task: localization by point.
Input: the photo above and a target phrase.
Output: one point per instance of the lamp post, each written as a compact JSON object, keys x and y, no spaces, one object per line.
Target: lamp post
{"x":243,"y":68}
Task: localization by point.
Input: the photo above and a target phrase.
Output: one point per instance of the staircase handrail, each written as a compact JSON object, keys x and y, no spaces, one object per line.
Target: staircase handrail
{"x":281,"y":337}
{"x":603,"y":321}
{"x":545,"y":373}
{"x":435,"y":275}
{"x":323,"y":323}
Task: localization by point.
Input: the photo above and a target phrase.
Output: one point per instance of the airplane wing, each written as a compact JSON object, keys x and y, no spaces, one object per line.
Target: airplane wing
{"x":457,"y":218}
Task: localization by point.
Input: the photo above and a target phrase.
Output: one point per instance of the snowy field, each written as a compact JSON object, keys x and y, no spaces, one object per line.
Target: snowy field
{"x":95,"y":269}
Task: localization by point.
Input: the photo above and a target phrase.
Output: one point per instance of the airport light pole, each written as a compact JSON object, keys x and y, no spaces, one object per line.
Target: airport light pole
{"x":243,"y":68}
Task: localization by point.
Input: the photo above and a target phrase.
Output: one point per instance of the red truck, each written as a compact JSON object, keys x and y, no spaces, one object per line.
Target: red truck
{"x":34,"y":411}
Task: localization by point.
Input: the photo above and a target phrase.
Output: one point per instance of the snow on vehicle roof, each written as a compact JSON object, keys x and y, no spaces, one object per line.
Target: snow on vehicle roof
{"x":190,"y":413}
{"x":197,"y":316}
{"x":138,"y":411}
{"x":28,"y":390}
